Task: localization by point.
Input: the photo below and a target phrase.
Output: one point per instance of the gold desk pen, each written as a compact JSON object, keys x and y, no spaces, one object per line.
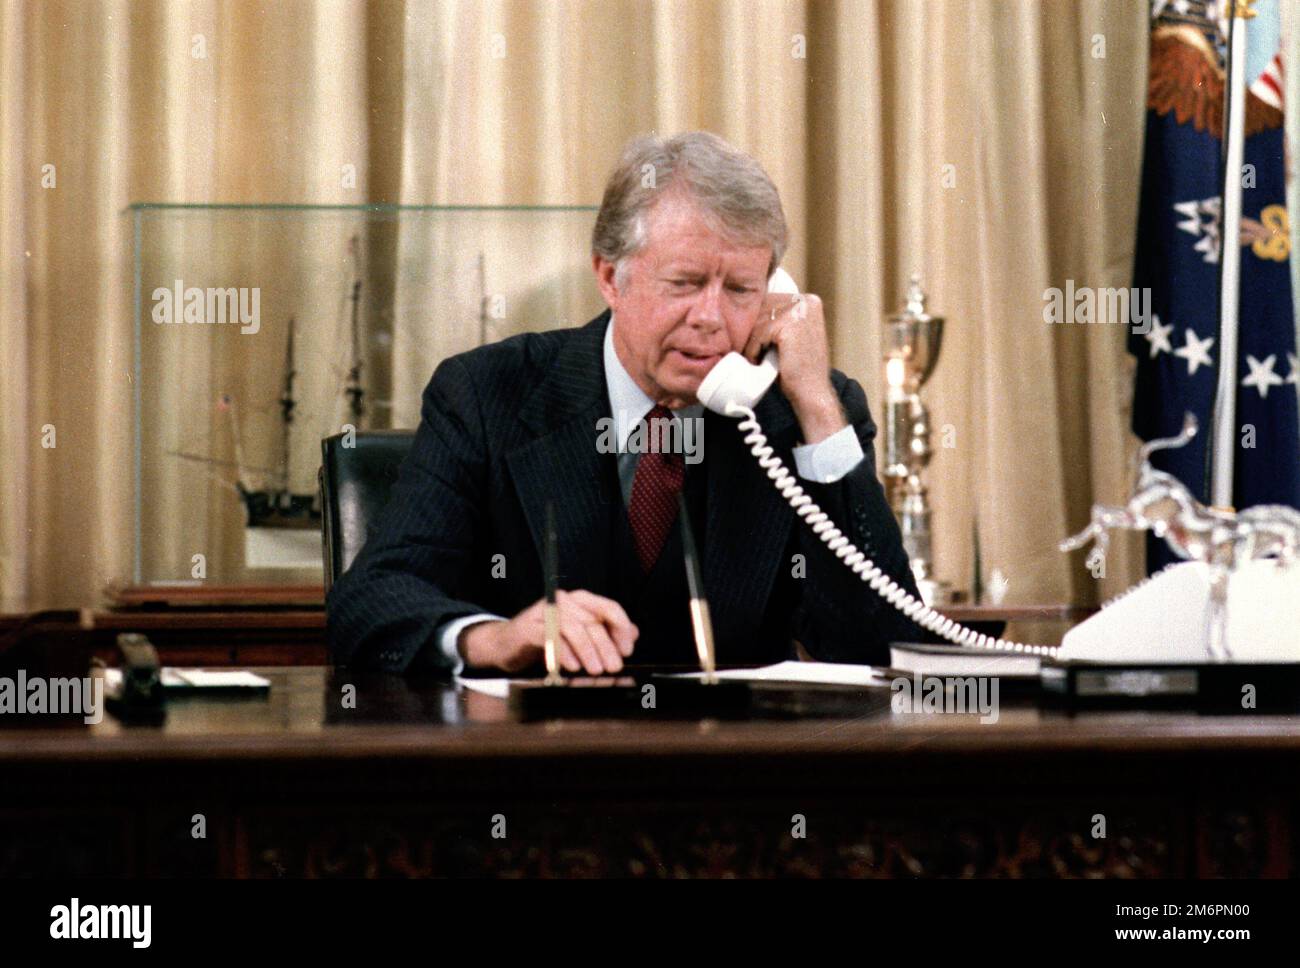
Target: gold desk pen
{"x":551,"y":565}
{"x":701,"y":623}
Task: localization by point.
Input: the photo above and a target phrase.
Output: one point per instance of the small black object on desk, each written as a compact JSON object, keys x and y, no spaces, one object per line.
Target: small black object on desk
{"x":644,"y":695}
{"x":1208,"y":687}
{"x":141,"y":694}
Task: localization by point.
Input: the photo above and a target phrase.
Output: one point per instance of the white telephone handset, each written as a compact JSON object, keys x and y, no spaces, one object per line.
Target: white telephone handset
{"x":732,"y":388}
{"x":734,"y":380}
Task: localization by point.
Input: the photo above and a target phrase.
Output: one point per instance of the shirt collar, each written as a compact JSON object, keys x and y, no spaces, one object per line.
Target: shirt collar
{"x":628,"y":403}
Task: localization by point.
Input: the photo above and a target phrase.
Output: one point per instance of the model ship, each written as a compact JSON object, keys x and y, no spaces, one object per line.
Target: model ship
{"x":281,"y":525}
{"x":277,"y":506}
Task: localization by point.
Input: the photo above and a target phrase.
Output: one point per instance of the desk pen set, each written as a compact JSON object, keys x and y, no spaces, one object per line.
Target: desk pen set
{"x":638,"y":695}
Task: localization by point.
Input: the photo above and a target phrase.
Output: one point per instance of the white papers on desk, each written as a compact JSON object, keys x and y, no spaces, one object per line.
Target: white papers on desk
{"x":213,"y":679}
{"x":195,"y":679}
{"x":809,"y":673}
{"x":497,"y":688}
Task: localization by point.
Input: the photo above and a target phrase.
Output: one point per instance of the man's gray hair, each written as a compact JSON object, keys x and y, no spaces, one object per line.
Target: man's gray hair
{"x":730,"y":187}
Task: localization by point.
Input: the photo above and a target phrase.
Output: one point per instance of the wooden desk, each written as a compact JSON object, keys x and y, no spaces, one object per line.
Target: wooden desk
{"x":412,"y":781}
{"x":215,"y":627}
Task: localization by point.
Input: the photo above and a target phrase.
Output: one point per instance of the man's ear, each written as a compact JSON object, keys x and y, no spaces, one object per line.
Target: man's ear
{"x":605,"y":282}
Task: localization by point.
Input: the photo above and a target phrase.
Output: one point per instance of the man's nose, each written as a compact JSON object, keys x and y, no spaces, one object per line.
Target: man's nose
{"x":706,"y":313}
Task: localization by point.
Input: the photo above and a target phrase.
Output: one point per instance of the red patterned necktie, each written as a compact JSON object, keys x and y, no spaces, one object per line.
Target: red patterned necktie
{"x":653,"y":506}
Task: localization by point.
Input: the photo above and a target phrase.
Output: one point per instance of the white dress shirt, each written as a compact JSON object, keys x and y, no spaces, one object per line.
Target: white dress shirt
{"x":823,"y":462}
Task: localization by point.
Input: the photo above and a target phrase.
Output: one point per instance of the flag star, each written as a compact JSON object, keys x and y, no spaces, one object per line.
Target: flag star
{"x":1202,"y":221}
{"x":1195,"y":351}
{"x":1295,"y":368}
{"x":1261,"y":375}
{"x":1158,"y":336}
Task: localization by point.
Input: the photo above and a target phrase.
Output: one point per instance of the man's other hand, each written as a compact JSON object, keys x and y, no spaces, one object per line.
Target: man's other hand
{"x":595,"y":636}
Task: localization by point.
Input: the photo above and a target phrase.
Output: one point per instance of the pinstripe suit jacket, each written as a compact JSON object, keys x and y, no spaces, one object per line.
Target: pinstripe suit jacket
{"x":508,"y":426}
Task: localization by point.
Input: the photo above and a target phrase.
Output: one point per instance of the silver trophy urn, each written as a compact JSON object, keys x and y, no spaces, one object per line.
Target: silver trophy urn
{"x":911,"y":350}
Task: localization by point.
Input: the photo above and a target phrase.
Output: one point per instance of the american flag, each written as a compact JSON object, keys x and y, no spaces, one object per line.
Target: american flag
{"x":1178,"y":250}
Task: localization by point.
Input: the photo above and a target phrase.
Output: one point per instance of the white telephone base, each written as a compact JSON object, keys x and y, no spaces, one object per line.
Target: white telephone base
{"x":1166,"y":619}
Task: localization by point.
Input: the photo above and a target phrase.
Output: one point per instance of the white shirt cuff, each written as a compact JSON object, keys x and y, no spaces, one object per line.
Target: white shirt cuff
{"x":826,"y":461}
{"x":449,"y":635}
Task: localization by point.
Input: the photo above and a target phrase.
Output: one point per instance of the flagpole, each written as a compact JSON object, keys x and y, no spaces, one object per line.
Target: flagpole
{"x":1224,"y":439}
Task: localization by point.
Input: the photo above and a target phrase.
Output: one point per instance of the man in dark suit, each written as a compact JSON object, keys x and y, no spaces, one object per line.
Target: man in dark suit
{"x":603,"y":421}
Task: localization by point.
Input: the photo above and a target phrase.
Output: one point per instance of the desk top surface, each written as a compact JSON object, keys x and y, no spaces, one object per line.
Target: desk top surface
{"x":304,"y":717}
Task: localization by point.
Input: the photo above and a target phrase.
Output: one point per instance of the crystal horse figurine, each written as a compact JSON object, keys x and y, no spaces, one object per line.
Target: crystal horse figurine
{"x":1162,"y":505}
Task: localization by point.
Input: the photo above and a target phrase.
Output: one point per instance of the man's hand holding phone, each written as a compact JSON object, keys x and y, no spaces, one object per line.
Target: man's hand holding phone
{"x":796,"y":326}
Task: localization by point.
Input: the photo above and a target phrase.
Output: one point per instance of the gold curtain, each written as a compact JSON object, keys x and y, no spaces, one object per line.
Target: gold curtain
{"x":992,"y":145}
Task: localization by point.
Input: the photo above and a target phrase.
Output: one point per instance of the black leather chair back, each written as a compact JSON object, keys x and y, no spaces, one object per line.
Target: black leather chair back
{"x":355,"y":483}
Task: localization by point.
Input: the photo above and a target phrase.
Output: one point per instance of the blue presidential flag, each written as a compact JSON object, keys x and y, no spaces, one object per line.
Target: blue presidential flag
{"x":1178,"y":251}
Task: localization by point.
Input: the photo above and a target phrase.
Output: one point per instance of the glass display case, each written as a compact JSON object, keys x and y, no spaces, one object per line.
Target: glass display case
{"x":261,"y":329}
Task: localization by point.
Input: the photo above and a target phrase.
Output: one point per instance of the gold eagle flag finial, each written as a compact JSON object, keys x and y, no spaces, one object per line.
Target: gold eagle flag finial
{"x":1186,"y":73}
